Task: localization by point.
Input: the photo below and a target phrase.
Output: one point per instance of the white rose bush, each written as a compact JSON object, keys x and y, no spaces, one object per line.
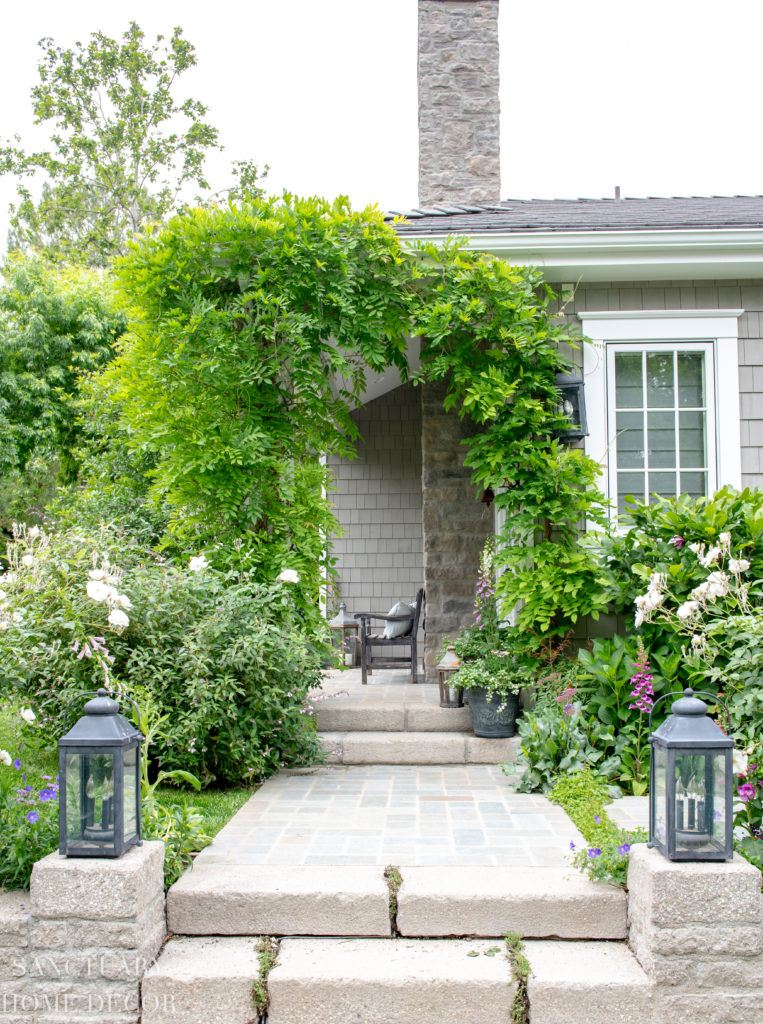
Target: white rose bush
{"x":227,"y":657}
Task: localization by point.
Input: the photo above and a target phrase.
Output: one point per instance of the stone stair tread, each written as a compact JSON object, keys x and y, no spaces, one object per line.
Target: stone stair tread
{"x":201,"y":979}
{"x":393,"y":981}
{"x":223,"y":899}
{"x":380,"y":747}
{"x":537,"y":902}
{"x":587,"y":983}
{"x":391,"y":716}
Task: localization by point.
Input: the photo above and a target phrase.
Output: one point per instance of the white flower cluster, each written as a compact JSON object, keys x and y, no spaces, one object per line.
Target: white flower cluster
{"x":652,"y":599}
{"x":198,"y":563}
{"x":288,"y":576}
{"x":102,"y":588}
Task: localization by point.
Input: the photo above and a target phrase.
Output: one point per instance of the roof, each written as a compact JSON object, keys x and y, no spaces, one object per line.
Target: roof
{"x":552,"y":215}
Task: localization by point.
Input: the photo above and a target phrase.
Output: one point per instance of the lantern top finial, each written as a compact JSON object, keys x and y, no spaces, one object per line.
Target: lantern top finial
{"x":103,"y":704}
{"x":689,"y":705}
{"x":342,"y":620}
{"x":450,"y":659}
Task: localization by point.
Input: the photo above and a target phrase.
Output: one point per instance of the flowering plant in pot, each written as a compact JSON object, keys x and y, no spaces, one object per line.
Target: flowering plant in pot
{"x":493,"y":672}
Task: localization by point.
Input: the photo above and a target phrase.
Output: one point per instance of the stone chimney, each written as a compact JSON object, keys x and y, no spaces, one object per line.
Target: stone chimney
{"x":459,"y":113}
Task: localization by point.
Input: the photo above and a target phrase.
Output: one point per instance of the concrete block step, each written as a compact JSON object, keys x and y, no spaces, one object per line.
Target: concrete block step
{"x":587,"y":983}
{"x":386,"y":716}
{"x":536,"y":902}
{"x":221,"y":899}
{"x":393,"y":981}
{"x":202,"y":981}
{"x":416,"y":748}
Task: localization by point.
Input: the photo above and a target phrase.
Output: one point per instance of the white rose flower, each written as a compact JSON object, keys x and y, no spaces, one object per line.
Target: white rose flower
{"x":653,"y":600}
{"x":687,"y":610}
{"x":9,"y":579}
{"x":97,"y":574}
{"x":288,"y":576}
{"x":696,"y":547}
{"x":198,"y":563}
{"x":29,"y":561}
{"x":739,"y":762}
{"x":3,"y":624}
{"x":17,"y":617}
{"x":639,"y":619}
{"x":5,"y":758}
{"x":112,"y":594}
{"x":124,"y":602}
{"x":118,"y":619}
{"x":712,"y":555}
{"x":738,"y":565}
{"x":98,"y":591}
{"x":700,"y":593}
{"x":34,"y":533}
{"x":640,"y":601}
{"x":28,"y":715}
{"x":724,"y":539}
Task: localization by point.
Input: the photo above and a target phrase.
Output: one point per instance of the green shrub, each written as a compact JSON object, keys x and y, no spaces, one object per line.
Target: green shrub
{"x":557,"y":739}
{"x":228,"y":658}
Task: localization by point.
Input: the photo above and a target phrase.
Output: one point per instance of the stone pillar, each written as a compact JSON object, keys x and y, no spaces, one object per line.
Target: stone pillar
{"x":84,"y":935}
{"x":697,"y":930}
{"x":459,"y":111}
{"x":455,"y":525}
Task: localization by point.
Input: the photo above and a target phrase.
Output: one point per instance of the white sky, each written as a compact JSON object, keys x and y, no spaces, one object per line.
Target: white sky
{"x":661,"y":97}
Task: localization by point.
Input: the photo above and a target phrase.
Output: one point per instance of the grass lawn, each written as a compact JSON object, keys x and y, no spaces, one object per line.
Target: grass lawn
{"x":216,"y":806}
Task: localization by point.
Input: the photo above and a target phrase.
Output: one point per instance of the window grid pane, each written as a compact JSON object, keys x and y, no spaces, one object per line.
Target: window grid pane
{"x":661,"y":423}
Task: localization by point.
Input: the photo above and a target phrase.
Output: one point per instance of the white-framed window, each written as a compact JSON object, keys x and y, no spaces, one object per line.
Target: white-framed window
{"x":662,"y":395}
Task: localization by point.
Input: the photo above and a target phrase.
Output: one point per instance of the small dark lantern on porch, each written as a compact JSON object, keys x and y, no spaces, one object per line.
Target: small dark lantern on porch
{"x":346,"y":627}
{"x":691,"y":811}
{"x":451,"y":694}
{"x":572,"y":407}
{"x":99,"y":783}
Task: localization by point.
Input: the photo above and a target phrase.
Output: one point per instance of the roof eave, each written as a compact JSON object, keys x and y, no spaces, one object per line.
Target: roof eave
{"x":643,"y":255}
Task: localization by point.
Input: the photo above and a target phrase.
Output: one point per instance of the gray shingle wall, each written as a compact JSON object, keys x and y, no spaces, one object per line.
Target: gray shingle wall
{"x":378,"y":502}
{"x":747,"y":295}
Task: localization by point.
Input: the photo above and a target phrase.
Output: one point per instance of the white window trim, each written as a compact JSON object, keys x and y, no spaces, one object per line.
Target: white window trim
{"x":719,"y":327}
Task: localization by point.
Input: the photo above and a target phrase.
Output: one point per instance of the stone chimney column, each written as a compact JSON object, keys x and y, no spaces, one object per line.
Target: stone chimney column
{"x":459,"y":113}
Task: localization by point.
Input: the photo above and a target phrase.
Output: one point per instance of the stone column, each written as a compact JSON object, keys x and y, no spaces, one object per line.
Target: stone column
{"x":84,"y":936}
{"x":455,"y":525}
{"x":697,"y":930}
{"x":459,"y":111}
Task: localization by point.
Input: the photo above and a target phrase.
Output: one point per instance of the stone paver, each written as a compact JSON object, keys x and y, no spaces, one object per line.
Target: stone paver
{"x":630,"y":812}
{"x":461,"y":815}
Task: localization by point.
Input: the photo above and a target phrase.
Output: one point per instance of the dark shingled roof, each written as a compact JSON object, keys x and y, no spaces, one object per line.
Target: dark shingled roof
{"x":521,"y":215}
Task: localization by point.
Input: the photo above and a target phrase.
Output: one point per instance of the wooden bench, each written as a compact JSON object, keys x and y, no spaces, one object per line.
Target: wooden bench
{"x":368,"y":641}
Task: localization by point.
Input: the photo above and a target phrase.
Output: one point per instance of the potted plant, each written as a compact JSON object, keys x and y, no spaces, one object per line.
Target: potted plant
{"x":493,"y":670}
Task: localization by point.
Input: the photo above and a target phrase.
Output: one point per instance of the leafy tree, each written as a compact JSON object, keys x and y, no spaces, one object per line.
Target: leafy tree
{"x":55,"y":325}
{"x":123,"y":147}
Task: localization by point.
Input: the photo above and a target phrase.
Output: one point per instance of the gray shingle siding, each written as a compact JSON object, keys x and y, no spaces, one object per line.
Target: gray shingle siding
{"x":378,"y":503}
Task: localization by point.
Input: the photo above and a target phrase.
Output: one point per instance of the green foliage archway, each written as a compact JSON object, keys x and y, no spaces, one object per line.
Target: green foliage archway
{"x":251,"y":333}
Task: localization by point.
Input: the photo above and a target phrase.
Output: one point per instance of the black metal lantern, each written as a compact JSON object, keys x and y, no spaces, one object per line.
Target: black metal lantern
{"x":451,"y":694}
{"x":691,"y":812}
{"x":347,"y":630}
{"x":572,"y":407}
{"x":99,"y":783}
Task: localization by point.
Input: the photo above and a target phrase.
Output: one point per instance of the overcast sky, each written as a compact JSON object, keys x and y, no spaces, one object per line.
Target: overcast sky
{"x":661,"y":97}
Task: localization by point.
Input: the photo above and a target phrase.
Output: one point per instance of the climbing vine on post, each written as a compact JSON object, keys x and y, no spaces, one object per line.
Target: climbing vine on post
{"x":490,"y":333}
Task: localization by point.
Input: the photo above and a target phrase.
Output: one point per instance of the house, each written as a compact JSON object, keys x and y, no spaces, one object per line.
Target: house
{"x":669,"y":290}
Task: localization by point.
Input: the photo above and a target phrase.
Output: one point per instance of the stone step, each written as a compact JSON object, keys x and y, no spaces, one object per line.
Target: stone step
{"x":536,"y":902}
{"x":342,"y":715}
{"x":221,"y":899}
{"x":202,"y":981}
{"x":587,"y":983}
{"x":393,"y":981}
{"x":416,"y":748}
{"x":433,"y":902}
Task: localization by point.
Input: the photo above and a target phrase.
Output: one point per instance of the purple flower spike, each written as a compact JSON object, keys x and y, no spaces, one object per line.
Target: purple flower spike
{"x":17,"y":765}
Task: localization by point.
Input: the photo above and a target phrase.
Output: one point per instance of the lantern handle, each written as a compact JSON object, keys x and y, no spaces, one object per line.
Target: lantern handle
{"x":91,"y":693}
{"x":704,"y":693}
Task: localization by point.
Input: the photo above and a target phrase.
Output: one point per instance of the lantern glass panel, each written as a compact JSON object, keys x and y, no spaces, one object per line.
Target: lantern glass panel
{"x":130,"y":794}
{"x":660,"y":805}
{"x":700,"y":804}
{"x":90,"y":799}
